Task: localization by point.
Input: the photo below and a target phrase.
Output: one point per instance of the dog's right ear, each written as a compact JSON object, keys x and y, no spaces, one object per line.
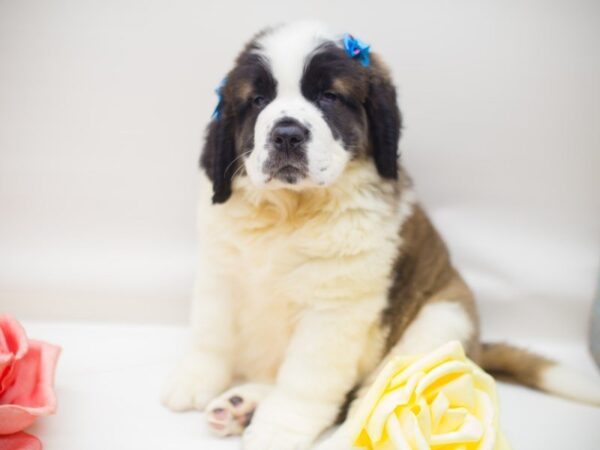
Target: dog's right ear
{"x":218,"y":154}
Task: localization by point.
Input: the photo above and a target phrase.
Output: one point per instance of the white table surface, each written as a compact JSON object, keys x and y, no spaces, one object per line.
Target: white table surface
{"x":109,"y":378}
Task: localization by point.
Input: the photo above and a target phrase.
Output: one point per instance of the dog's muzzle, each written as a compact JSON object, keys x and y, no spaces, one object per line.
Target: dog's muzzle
{"x":287,"y":159}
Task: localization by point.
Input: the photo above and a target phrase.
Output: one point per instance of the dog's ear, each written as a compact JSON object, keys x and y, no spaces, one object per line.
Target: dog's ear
{"x":218,"y":154}
{"x":385,"y":121}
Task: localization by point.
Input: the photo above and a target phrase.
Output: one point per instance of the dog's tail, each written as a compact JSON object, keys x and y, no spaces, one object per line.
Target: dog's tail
{"x":527,"y":368}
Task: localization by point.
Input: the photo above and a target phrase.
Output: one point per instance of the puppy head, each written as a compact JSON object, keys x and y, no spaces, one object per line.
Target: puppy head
{"x":295,"y":109}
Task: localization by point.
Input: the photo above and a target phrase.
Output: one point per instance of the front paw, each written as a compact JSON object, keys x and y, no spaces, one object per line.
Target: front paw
{"x":274,"y":437}
{"x":341,"y":439}
{"x":283,"y":422}
{"x":195,"y":381}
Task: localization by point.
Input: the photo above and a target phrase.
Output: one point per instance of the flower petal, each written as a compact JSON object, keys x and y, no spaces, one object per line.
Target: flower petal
{"x":470,"y":431}
{"x":392,"y":400}
{"x":13,"y":346}
{"x":371,"y":400}
{"x":20,"y":441}
{"x":31,"y":395}
{"x":461,"y":392}
{"x":443,"y":370}
{"x":412,"y":431}
{"x":424,"y":418}
{"x":439,"y":406}
{"x":12,"y":337}
{"x":451,"y":350}
{"x":452,"y":420}
{"x":397,"y":437}
{"x":486,"y":411}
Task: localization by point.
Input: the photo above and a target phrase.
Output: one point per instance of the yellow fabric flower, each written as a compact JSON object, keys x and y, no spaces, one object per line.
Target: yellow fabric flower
{"x":437,"y":401}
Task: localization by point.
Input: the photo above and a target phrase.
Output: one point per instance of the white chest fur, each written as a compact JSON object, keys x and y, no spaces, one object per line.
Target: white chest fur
{"x":283,"y":252}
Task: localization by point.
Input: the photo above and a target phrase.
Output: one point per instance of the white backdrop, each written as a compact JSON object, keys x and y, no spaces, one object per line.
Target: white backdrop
{"x":103,"y":106}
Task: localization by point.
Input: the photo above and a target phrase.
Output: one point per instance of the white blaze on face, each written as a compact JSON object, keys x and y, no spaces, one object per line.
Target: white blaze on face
{"x":287,"y":50}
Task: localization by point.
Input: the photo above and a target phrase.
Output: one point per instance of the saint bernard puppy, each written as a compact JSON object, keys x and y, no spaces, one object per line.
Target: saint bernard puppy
{"x":318,"y":263}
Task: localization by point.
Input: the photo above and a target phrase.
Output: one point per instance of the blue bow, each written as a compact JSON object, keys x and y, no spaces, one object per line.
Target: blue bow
{"x":357,"y":49}
{"x":216,"y":115}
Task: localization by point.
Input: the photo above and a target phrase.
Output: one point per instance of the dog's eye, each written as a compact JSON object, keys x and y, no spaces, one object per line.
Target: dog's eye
{"x":329,"y":96}
{"x":259,"y":101}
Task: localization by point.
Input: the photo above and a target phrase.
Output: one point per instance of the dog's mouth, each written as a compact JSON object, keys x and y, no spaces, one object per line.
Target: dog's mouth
{"x":284,"y":170}
{"x":288,"y":174}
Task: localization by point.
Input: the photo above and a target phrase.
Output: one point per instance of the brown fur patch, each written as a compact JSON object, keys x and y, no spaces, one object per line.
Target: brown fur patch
{"x":243,"y":90}
{"x":345,"y":408}
{"x":423,"y":273}
{"x":354,"y":84}
{"x":380,"y":68}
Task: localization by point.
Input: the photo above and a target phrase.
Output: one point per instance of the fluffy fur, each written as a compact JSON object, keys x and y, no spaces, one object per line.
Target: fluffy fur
{"x":309,"y":282}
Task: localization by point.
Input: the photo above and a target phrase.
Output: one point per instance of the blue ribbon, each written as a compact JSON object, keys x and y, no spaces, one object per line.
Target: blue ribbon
{"x":216,"y":115}
{"x":357,"y":49}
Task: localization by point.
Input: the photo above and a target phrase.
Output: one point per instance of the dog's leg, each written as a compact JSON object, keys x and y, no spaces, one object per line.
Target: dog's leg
{"x":206,"y":370}
{"x":231,"y":412}
{"x":437,"y":323}
{"x":320,"y":367}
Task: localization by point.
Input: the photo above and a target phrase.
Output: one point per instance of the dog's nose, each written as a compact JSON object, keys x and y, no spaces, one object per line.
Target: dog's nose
{"x":289,"y":134}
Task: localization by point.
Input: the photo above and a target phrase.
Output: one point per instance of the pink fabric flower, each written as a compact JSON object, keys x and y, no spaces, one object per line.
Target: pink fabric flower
{"x":26,"y":379}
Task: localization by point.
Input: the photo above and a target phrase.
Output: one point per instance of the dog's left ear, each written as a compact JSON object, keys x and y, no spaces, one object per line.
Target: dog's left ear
{"x":385,"y":121}
{"x":218,"y":154}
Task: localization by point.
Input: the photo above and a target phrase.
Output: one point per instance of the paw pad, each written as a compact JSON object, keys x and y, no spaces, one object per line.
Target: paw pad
{"x":229,"y":415}
{"x":236,"y":400}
